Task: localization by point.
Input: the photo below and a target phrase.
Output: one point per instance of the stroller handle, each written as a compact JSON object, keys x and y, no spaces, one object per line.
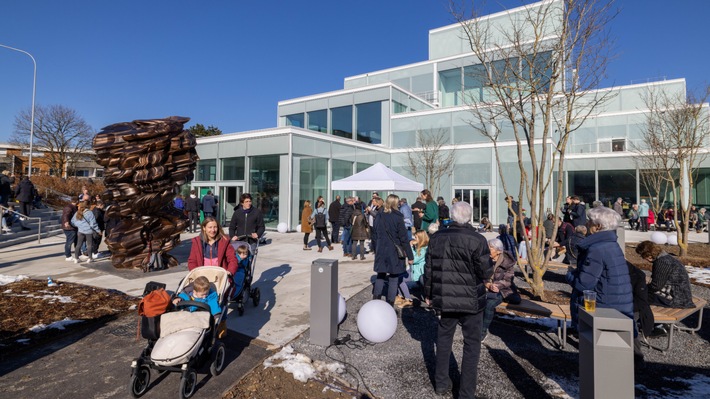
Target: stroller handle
{"x":198,"y":305}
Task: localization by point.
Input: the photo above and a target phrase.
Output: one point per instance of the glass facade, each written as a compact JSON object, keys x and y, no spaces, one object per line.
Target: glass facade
{"x":340,"y":170}
{"x":313,"y":180}
{"x":233,"y":168}
{"x":341,"y":120}
{"x":206,"y":170}
{"x":581,"y":184}
{"x":264,"y":180}
{"x":295,"y":120}
{"x":617,"y":183}
{"x":369,"y":122}
{"x":318,"y":121}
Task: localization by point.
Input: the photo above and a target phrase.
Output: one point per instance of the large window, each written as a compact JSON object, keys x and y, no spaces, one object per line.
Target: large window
{"x":264,"y":179}
{"x":450,"y":86}
{"x":369,"y":122}
{"x":581,"y":184}
{"x":207,"y":170}
{"x":617,"y":183}
{"x":318,"y":121}
{"x":342,"y":121}
{"x":341,"y":170}
{"x":233,"y":168}
{"x":295,"y":120}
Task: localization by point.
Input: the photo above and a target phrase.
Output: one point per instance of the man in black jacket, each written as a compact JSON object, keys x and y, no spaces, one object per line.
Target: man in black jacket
{"x":192,"y":206}
{"x":24,"y":193}
{"x":247,"y":221}
{"x":346,"y":221}
{"x":416,"y":206}
{"x":333,"y":216}
{"x":458,"y":265}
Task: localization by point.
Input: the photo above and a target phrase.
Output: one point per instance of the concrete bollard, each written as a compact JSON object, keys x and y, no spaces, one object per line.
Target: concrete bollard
{"x":324,"y":301}
{"x":606,"y":354}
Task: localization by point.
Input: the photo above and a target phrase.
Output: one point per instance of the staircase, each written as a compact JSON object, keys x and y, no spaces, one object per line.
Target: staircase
{"x":51,"y":225}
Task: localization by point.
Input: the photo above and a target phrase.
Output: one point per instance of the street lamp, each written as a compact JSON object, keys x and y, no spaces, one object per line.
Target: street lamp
{"x":32,"y":117}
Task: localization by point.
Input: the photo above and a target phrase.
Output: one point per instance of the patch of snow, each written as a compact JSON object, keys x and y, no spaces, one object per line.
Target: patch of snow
{"x":301,"y":366}
{"x":133,"y":307}
{"x":698,"y":387}
{"x":700,"y":274}
{"x":11,"y":279}
{"x":51,"y":298}
{"x":57,"y":324}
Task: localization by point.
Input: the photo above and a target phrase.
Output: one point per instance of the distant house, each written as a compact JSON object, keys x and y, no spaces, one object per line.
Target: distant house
{"x":16,"y":159}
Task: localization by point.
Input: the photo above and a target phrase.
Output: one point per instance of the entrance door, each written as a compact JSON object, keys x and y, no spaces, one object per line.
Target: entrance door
{"x":477,"y":198}
{"x":229,"y":199}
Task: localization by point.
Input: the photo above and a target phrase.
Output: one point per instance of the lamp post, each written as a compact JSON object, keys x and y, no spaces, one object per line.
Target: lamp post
{"x":34,"y":90}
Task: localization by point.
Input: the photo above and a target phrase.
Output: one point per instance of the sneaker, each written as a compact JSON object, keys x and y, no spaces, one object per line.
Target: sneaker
{"x":89,"y":260}
{"x":658,"y":331}
{"x":70,"y":259}
{"x":76,"y":260}
{"x":83,"y":258}
{"x":7,"y":229}
{"x":95,"y":256}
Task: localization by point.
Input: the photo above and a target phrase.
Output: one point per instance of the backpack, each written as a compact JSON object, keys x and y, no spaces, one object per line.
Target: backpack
{"x":154,"y":303}
{"x":320,"y":220}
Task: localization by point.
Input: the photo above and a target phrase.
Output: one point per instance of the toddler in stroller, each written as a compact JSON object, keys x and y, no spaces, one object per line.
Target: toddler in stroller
{"x":246,"y":254}
{"x":187,"y":337}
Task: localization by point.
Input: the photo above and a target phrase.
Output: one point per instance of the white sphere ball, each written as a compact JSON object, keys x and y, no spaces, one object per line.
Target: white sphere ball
{"x":659,"y":238}
{"x":282,"y":227}
{"x":298,"y":228}
{"x":672,"y":239}
{"x":377,"y":321}
{"x":341,"y":308}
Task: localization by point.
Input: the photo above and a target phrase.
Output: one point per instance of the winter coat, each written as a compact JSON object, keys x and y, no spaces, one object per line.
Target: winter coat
{"x":305,"y":220}
{"x":457,"y":267}
{"x":86,"y":225}
{"x":24,"y":192}
{"x":431,"y":214}
{"x":226,"y":256}
{"x":670,"y":285}
{"x":334,"y":212}
{"x":360,"y":228}
{"x":419,"y":263}
{"x":418,"y":219}
{"x":643,"y":210}
{"x":345,"y":218}
{"x":6,"y":186}
{"x":209,"y":203}
{"x":579,"y":214}
{"x":503,"y":273}
{"x":246,"y":221}
{"x":443,"y":212}
{"x":389,"y":230}
{"x":641,"y":304}
{"x":212,"y":300}
{"x":67,"y":214}
{"x":192,"y":204}
{"x":408,"y":217}
{"x":601,"y":267}
{"x":619,"y":209}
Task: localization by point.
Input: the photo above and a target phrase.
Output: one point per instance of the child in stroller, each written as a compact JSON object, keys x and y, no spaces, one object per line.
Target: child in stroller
{"x":187,"y":337}
{"x":246,"y":254}
{"x":201,"y":292}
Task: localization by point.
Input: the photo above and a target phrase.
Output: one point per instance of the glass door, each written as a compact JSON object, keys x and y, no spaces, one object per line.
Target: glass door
{"x":228,"y":200}
{"x":477,"y":198}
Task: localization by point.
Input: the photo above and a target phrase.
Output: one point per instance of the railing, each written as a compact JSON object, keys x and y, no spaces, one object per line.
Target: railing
{"x":39,"y":225}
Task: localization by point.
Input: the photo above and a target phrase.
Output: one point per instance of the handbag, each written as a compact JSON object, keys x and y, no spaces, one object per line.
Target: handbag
{"x":400,"y":251}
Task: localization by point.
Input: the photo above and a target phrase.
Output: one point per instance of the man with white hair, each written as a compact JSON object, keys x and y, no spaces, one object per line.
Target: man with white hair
{"x":457,"y":267}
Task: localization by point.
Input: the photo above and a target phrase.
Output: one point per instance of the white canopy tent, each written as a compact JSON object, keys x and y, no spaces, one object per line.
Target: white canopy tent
{"x":377,"y":177}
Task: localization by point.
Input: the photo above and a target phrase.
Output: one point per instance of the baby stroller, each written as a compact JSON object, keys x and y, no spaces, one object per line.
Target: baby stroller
{"x":242,"y":294}
{"x":185,"y":338}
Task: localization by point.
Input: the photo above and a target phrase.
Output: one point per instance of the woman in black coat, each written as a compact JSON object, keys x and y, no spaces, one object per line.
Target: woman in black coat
{"x":388,"y":231}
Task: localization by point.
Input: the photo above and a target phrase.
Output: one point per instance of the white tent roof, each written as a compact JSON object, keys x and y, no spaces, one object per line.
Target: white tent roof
{"x":377,"y":177}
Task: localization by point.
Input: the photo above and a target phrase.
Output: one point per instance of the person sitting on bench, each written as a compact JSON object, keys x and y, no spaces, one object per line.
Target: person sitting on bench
{"x":670,"y":284}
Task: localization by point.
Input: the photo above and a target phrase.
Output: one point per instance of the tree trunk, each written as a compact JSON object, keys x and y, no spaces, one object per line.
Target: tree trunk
{"x":537,"y":285}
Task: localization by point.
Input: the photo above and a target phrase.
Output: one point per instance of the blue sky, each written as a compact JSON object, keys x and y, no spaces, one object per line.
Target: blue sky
{"x":228,"y":63}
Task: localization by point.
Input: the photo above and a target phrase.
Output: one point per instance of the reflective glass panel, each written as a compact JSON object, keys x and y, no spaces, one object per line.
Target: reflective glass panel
{"x":207,"y":170}
{"x":233,"y":168}
{"x":318,"y":121}
{"x":341,"y":120}
{"x":294,"y":120}
{"x":369,"y":122}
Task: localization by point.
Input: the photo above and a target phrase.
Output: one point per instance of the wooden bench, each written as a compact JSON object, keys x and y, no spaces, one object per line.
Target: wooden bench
{"x":672,"y":317}
{"x":560,"y":313}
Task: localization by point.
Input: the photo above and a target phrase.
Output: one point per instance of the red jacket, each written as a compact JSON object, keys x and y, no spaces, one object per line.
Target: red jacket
{"x":226,"y":257}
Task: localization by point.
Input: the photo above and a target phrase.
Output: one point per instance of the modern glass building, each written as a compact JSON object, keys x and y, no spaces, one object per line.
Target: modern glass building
{"x":376,"y":117}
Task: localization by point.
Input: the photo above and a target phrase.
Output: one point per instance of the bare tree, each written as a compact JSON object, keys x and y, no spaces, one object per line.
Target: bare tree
{"x":60,"y":133}
{"x":430,"y":160}
{"x":674,"y":144}
{"x":535,"y":84}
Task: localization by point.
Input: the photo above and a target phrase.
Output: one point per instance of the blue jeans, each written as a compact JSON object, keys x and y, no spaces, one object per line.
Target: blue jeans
{"x":70,"y":236}
{"x":347,"y":241}
{"x":493,"y":299}
{"x":471,"y":331}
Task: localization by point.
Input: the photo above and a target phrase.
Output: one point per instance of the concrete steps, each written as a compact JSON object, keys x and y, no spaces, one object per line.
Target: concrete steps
{"x":50,"y":226}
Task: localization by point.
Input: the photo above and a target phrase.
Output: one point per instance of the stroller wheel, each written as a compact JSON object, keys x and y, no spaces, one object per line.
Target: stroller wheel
{"x":240,"y":308}
{"x":140,"y":379}
{"x":256,"y":296}
{"x":218,"y":355}
{"x":188,"y":382}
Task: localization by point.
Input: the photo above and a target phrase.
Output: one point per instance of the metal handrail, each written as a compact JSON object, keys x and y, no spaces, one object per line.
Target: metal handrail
{"x":39,"y":225}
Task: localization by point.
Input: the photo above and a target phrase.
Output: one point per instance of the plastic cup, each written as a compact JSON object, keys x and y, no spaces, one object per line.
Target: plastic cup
{"x":590,"y":301}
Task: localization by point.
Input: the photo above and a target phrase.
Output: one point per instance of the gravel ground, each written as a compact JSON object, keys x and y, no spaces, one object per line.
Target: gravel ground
{"x":518,"y":360}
